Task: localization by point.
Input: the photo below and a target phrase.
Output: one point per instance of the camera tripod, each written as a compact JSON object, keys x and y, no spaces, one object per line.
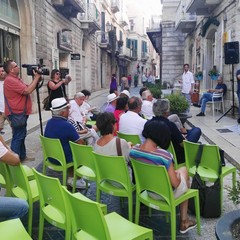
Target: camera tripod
{"x":232,"y":108}
{"x":39,"y":85}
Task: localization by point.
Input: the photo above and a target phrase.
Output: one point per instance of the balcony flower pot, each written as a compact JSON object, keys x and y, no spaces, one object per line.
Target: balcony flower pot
{"x":199,"y":75}
{"x":213,"y":73}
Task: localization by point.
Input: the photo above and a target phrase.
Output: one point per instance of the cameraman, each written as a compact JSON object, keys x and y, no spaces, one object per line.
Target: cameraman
{"x":56,"y":86}
{"x":17,"y":96}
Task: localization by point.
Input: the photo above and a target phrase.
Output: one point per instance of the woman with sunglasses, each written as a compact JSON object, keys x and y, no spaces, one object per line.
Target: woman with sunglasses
{"x":56,"y":86}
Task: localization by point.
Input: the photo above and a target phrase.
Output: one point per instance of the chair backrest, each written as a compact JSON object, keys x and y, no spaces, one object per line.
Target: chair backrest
{"x":87,"y":216}
{"x":133,"y":138}
{"x":21,"y":185}
{"x":112,"y":168}
{"x":217,"y":96}
{"x":210,"y":155}
{"x":82,"y":155}
{"x":152,"y":178}
{"x":5,"y":178}
{"x":51,"y":193}
{"x":52,"y":148}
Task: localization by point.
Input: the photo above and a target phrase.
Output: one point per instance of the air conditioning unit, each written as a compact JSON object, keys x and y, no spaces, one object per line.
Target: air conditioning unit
{"x":58,"y":2}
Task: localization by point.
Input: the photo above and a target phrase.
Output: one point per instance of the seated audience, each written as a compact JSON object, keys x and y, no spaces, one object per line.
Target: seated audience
{"x":152,"y":151}
{"x":206,"y":97}
{"x":112,"y":101}
{"x":161,"y":110}
{"x":10,"y":207}
{"x":58,"y":127}
{"x":125,"y":93}
{"x":121,"y":108}
{"x":106,"y":144}
{"x":130,"y":122}
{"x":147,"y":104}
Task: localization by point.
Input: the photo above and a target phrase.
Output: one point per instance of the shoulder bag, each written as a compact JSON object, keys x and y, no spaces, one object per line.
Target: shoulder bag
{"x":209,"y":196}
{"x":17,"y":120}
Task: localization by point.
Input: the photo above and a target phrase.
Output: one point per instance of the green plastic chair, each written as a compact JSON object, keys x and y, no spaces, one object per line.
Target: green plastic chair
{"x":133,"y":138}
{"x":209,"y":166}
{"x":172,"y":151}
{"x":83,"y":162}
{"x":53,"y":206}
{"x":5,"y":179}
{"x":25,"y":189}
{"x":154,"y":178}
{"x":88,"y":222}
{"x":13,"y":229}
{"x":52,"y":148}
{"x":114,"y":168}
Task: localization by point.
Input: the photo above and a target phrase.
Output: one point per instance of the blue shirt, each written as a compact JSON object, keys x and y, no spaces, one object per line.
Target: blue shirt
{"x":60,"y":128}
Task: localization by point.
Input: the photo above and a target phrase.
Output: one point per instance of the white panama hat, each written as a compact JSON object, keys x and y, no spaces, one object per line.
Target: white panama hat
{"x":111,"y":97}
{"x":58,"y":104}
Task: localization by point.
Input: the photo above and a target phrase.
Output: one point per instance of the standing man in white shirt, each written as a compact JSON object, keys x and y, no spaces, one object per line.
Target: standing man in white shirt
{"x":2,"y":115}
{"x":187,"y":84}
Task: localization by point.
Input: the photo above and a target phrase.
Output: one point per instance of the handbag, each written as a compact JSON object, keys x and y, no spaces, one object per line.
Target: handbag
{"x":17,"y":120}
{"x":46,"y":103}
{"x":209,"y":196}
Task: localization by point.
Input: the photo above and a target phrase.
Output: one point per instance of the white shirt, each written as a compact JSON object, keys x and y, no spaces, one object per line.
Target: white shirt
{"x":147,"y":109}
{"x":84,"y":108}
{"x":188,"y":80}
{"x":131,"y":123}
{"x":1,"y":97}
{"x":75,"y":112}
{"x":3,"y":150}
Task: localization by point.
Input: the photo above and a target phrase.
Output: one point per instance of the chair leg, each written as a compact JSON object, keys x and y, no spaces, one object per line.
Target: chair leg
{"x":130,"y":208}
{"x":30,"y":216}
{"x":173,"y":224}
{"x":41,"y":226}
{"x":137,"y":212}
{"x":74,"y":183}
{"x":64,"y":177}
{"x":197,"y":211}
{"x":98,"y":195}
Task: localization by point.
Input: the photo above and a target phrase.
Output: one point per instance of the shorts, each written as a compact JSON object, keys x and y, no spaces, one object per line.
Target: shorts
{"x":180,"y":190}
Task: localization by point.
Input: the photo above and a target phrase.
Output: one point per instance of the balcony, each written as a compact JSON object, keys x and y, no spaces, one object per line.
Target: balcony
{"x":115,"y":6}
{"x":104,"y":41}
{"x":90,"y":20}
{"x":201,"y":7}
{"x":105,"y":3}
{"x":185,"y":22}
{"x":123,"y":23}
{"x":69,"y":8}
{"x":144,"y":56}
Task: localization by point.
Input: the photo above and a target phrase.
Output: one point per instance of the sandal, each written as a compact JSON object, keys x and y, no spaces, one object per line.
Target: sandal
{"x":187,"y":225}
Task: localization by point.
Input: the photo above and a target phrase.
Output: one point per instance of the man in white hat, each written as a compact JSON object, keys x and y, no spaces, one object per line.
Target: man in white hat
{"x":58,"y":127}
{"x":112,"y":101}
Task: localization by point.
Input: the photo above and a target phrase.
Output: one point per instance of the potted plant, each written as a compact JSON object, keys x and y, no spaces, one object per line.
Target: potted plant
{"x":178,"y":105}
{"x":213,"y":73}
{"x":229,"y":223}
{"x":199,"y":75}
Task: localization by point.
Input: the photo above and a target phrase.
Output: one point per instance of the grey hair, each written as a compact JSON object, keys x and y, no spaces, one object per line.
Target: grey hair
{"x":58,"y":112}
{"x":160,"y":107}
{"x":78,"y":95}
{"x":145,"y":94}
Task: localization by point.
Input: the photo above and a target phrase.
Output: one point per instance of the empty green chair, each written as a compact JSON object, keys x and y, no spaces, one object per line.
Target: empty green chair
{"x":114,"y":168}
{"x":133,"y":138}
{"x":25,"y":189}
{"x":154,"y":178}
{"x":52,"y":148}
{"x":53,"y":206}
{"x":210,"y":163}
{"x":5,"y":179}
{"x":83,"y":163}
{"x":13,"y":229}
{"x":88,"y":222}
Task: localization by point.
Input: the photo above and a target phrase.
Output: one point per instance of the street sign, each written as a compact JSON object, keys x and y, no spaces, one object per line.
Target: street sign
{"x":75,"y":56}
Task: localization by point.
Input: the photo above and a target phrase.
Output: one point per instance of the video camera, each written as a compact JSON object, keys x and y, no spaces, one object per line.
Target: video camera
{"x":40,"y":69}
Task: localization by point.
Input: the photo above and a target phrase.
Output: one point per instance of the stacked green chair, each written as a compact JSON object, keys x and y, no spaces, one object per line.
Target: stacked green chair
{"x":12,"y":230}
{"x":210,"y":163}
{"x":53,"y":207}
{"x":83,"y":162}
{"x":52,"y":148}
{"x":88,"y":222}
{"x":154,"y":178}
{"x":25,"y":189}
{"x":114,"y":168}
{"x":133,"y":138}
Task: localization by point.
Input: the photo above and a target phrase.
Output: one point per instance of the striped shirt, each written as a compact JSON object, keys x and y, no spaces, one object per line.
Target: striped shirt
{"x":158,"y":157}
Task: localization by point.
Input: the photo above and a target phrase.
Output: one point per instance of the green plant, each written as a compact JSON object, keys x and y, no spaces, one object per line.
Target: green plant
{"x":199,"y":74}
{"x":178,"y":103}
{"x":155,"y":89}
{"x":213,"y":72}
{"x":234,"y":192}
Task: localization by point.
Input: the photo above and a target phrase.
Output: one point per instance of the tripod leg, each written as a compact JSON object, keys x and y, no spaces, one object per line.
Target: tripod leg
{"x":224,"y":114}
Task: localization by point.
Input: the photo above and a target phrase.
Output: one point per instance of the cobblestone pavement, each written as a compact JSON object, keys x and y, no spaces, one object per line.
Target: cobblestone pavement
{"x":157,"y":221}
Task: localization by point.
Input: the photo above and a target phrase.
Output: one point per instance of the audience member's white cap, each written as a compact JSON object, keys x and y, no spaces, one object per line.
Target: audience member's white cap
{"x":58,"y":104}
{"x":111,"y":97}
{"x":126,"y":92}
